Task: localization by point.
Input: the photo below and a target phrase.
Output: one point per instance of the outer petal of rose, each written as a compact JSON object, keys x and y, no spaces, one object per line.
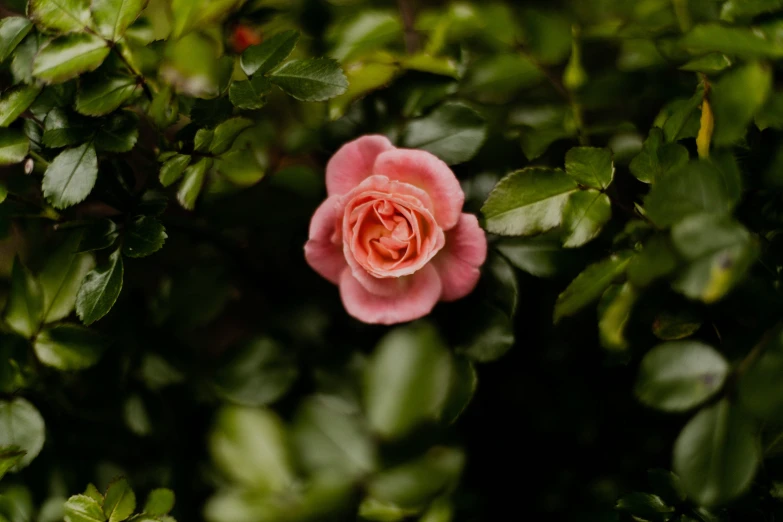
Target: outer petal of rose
{"x":353,"y":162}
{"x":323,"y":253}
{"x":459,"y":261}
{"x":426,"y":171}
{"x":415,"y":299}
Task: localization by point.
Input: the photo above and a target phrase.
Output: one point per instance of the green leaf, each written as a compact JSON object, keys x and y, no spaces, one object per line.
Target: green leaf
{"x":13,"y":29}
{"x":590,"y":166}
{"x":697,"y":187}
{"x":498,"y":77}
{"x":538,"y":256}
{"x":92,"y":492}
{"x":60,"y":15}
{"x":373,"y":73}
{"x":680,"y":375}
{"x":584,"y":215}
{"x":262,"y":58}
{"x":679,"y":324}
{"x":614,"y":310}
{"x":62,"y":129}
{"x":21,"y":425}
{"x":249,"y":94}
{"x":69,"y":56}
{"x":257,"y":373}
{"x":719,"y":250}
{"x":330,"y":436}
{"x":119,"y":502}
{"x":14,"y":146}
{"x":250,"y":447}
{"x":464,"y":381}
{"x":657,"y":259}
{"x":24,"y":308}
{"x":15,"y":101}
{"x":9,"y":457}
{"x":144,"y":235}
{"x":68,"y":347}
{"x":98,"y":235}
{"x":113,"y":17}
{"x":415,"y":484}
{"x":406,"y":381}
{"x":590,"y":284}
{"x":645,"y":506}
{"x":100,"y":289}
{"x":709,"y":63}
{"x":69,"y":179}
{"x":313,"y":79}
{"x":367,"y":31}
{"x":101,"y":94}
{"x":226,"y":133}
{"x":82,"y":508}
{"x":759,"y":385}
{"x":716,"y":455}
{"x":657,"y":158}
{"x":60,"y":278}
{"x":681,"y":114}
{"x":736,"y":98}
{"x":771,"y":115}
{"x":528,"y":201}
{"x":191,"y":185}
{"x":454,"y":132}
{"x":203,"y":139}
{"x":159,"y":502}
{"x":744,"y":42}
{"x":173,"y":168}
{"x":194,"y":14}
{"x":118,"y":132}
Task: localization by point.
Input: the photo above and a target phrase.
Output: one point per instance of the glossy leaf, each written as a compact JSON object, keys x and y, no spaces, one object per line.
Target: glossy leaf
{"x":736,"y":98}
{"x":101,"y":94}
{"x":25,"y":306}
{"x":69,"y":179}
{"x":159,"y":502}
{"x":113,"y":17}
{"x":68,"y":347}
{"x":83,"y":508}
{"x":119,"y":503}
{"x":21,"y":425}
{"x":60,"y":16}
{"x":13,"y":29}
{"x":657,"y":158}
{"x":172,"y":169}
{"x":262,"y":58}
{"x":14,"y":146}
{"x":584,"y":215}
{"x":191,"y":185}
{"x":590,"y":166}
{"x":454,"y":132}
{"x":144,"y":235}
{"x":590,"y":284}
{"x":313,"y":79}
{"x":63,"y":129}
{"x":249,"y":94}
{"x":100,"y":289}
{"x":225,"y":134}
{"x":614,"y":311}
{"x":60,"y":278}
{"x":15,"y":101}
{"x":69,"y":56}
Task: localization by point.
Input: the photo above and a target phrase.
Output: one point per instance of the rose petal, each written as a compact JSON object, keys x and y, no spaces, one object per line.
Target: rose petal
{"x":459,"y":261}
{"x":353,"y":162}
{"x":416,"y":296}
{"x":324,"y":251}
{"x":426,"y":171}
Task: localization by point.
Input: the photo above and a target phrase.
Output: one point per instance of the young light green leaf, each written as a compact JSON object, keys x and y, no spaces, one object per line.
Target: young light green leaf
{"x":744,"y":42}
{"x":99,"y":235}
{"x":716,"y":455}
{"x":13,"y":29}
{"x":312,"y":79}
{"x":69,"y":56}
{"x":226,"y":133}
{"x":454,"y":132}
{"x":736,"y":98}
{"x":24,"y":309}
{"x":709,"y":63}
{"x":14,"y":146}
{"x":21,"y":425}
{"x":92,"y":492}
{"x":614,"y":310}
{"x":10,"y":455}
{"x":100,"y":289}
{"x":119,"y":502}
{"x":159,"y":502}
{"x":15,"y":101}
{"x":657,"y":158}
{"x":83,"y":508}
{"x":590,"y":284}
{"x":590,"y":166}
{"x":118,"y":132}
{"x":368,"y":30}
{"x":584,"y":215}
{"x":528,"y":201}
{"x":61,"y":15}
{"x":680,"y":375}
{"x":191,"y":185}
{"x":173,"y":168}
{"x":202,"y":139}
{"x":68,"y":347}
{"x":62,"y":129}
{"x":406,"y":381}
{"x":144,"y":235}
{"x":330,"y":437}
{"x":262,"y":58}
{"x":69,"y":179}
{"x":101,"y":94}
{"x":113,"y":17}
{"x":61,"y":276}
{"x":249,"y":94}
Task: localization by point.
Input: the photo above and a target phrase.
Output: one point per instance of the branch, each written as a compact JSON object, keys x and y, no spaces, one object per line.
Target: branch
{"x":412,"y":39}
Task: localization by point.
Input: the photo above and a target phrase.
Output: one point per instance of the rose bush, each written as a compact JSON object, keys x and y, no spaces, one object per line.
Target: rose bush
{"x":392,"y":233}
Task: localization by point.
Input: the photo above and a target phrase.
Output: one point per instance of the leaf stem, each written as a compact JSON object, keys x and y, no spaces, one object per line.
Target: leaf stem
{"x":412,"y":40}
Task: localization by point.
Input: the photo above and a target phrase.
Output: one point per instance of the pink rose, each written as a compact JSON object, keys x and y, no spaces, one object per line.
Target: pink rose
{"x":392,"y":233}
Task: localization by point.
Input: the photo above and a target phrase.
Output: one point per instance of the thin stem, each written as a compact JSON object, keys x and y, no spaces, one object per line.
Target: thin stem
{"x":412,"y":40}
{"x":139,"y":77}
{"x":39,"y":160}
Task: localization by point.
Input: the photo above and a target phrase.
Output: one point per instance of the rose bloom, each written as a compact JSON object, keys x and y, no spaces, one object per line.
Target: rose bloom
{"x":392,"y":234}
